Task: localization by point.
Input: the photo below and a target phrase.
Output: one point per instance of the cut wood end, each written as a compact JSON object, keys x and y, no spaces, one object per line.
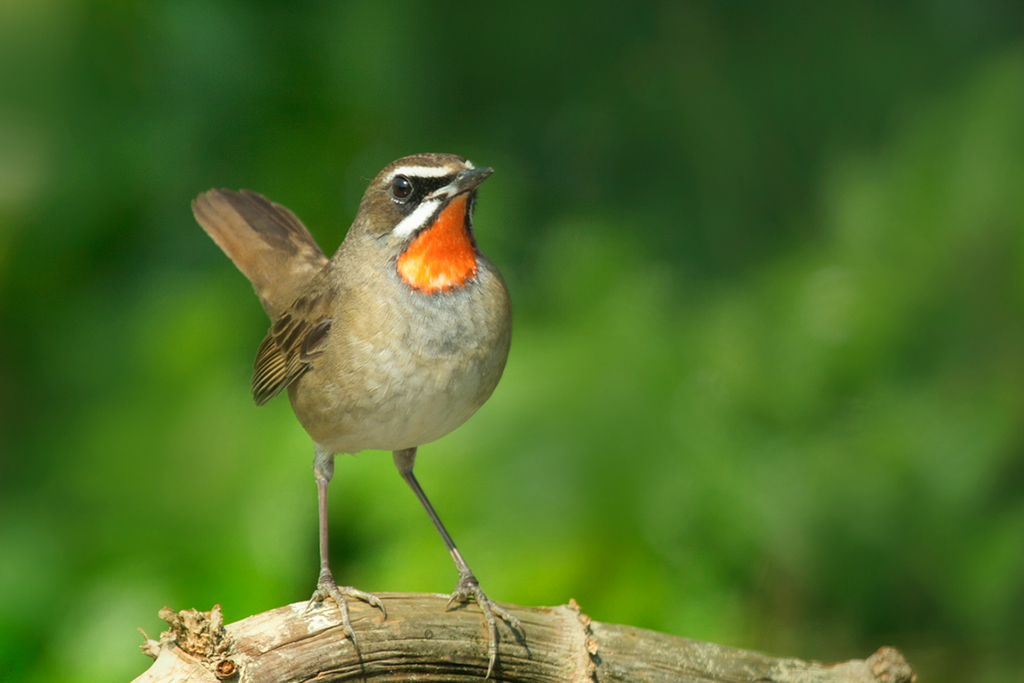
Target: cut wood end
{"x":888,"y":665}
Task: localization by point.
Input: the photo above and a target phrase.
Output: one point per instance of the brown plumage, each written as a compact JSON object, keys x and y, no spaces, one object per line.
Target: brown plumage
{"x":372,"y":357}
{"x":265,"y":240}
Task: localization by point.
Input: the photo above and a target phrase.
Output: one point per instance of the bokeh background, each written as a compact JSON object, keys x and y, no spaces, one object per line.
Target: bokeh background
{"x":767,"y":262}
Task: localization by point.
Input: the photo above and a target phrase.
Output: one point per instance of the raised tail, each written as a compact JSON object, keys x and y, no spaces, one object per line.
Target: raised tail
{"x":265,"y":240}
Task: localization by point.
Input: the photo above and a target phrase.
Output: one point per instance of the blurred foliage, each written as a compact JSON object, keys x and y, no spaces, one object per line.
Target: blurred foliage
{"x":768,"y":268}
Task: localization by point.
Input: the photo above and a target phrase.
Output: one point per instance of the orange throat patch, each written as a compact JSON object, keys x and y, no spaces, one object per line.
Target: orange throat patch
{"x":442,"y":257}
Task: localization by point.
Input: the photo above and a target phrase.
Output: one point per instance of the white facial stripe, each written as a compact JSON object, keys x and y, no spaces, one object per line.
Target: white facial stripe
{"x":422,"y":172}
{"x":416,"y":220}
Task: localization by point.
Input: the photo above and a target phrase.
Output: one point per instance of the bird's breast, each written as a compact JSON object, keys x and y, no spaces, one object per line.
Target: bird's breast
{"x":406,"y":367}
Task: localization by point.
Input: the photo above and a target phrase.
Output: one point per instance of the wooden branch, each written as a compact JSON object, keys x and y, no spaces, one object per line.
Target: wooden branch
{"x":422,"y":641}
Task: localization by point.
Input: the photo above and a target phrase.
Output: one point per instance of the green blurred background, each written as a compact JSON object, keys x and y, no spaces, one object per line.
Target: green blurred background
{"x":767,"y":262}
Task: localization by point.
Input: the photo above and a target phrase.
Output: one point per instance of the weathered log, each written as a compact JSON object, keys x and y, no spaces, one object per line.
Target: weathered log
{"x":421,"y":640}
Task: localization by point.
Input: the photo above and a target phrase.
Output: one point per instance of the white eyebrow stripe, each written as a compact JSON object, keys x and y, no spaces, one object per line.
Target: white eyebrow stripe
{"x":415,"y":220}
{"x":422,"y":172}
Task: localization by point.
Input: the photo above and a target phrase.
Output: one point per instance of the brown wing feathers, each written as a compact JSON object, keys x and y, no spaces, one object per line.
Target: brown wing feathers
{"x":270,"y":372}
{"x":276,"y":252}
{"x":289,"y":347}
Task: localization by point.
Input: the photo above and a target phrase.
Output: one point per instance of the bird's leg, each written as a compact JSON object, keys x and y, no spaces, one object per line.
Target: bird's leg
{"x":467,"y":586}
{"x":326,"y":586}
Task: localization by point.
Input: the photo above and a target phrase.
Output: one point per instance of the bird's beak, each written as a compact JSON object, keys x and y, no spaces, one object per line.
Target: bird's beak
{"x":465,"y":181}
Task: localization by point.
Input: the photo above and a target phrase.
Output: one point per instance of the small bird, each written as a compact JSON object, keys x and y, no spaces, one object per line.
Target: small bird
{"x":390,"y":344}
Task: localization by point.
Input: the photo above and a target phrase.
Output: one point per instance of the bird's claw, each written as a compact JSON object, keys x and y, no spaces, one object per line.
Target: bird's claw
{"x":467,"y":588}
{"x":327,"y":587}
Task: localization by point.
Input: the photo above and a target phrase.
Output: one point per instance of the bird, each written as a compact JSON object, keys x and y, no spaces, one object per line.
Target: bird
{"x":392,"y":343}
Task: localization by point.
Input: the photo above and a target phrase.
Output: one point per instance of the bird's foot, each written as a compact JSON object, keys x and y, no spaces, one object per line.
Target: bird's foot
{"x":467,"y":588}
{"x":327,"y":587}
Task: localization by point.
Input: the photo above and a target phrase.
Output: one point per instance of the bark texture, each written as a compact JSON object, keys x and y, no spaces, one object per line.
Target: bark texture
{"x":423,"y":641}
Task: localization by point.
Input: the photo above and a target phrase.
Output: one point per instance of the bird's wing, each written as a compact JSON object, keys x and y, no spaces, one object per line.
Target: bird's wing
{"x":265,"y":240}
{"x":293,"y":342}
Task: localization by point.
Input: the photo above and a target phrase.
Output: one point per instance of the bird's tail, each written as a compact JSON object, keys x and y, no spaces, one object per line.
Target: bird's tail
{"x":265,"y":240}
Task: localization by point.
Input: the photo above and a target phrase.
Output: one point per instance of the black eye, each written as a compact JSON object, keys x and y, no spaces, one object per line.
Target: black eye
{"x":401,"y":187}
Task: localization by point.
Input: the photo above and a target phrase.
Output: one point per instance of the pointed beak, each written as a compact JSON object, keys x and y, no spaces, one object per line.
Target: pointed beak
{"x":465,"y":181}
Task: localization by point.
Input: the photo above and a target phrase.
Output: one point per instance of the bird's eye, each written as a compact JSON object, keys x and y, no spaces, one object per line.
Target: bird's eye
{"x":401,"y":187}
